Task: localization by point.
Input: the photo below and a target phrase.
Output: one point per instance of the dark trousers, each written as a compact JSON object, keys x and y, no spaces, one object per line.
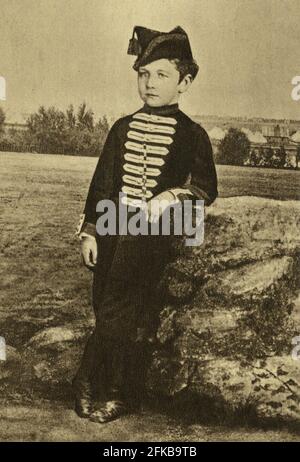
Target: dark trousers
{"x":127,"y":300}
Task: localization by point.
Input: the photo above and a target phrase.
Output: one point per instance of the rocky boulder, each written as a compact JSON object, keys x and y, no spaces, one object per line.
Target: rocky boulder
{"x":232,"y":311}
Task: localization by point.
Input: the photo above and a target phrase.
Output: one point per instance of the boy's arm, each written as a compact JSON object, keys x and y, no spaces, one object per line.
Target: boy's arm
{"x":203,"y":183}
{"x":101,"y":186}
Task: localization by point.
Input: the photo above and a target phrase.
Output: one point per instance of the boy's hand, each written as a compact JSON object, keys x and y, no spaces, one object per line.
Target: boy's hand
{"x":158,"y":205}
{"x":89,"y":251}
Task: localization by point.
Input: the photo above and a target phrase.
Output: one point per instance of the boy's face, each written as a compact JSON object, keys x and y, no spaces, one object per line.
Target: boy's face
{"x":158,"y":83}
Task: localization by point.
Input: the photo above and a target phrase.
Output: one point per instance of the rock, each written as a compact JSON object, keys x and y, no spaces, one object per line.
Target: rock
{"x":181,"y":291}
{"x":12,"y":355}
{"x":277,"y":388}
{"x":232,"y":312}
{"x":42,"y":371}
{"x":253,"y":279}
{"x":53,"y":337}
{"x":166,"y":332}
{"x":295,"y":315}
{"x":57,"y":353}
{"x":224,"y":380}
{"x":272,"y":394}
{"x":58,"y":370}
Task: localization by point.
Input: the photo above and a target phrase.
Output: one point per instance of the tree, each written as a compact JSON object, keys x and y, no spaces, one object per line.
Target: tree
{"x":268,"y":157}
{"x":101,"y":131}
{"x":2,"y":120}
{"x":71,"y":117}
{"x":279,"y":158}
{"x":265,"y":157}
{"x":47,"y":128}
{"x":261,"y":157}
{"x":253,"y":158}
{"x":234,"y":148}
{"x":85,"y":118}
{"x":282,"y":157}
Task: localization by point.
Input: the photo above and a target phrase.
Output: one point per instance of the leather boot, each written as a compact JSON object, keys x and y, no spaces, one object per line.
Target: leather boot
{"x":84,"y":405}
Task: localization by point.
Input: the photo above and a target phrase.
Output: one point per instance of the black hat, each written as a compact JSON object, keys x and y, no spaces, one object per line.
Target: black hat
{"x":150,"y":45}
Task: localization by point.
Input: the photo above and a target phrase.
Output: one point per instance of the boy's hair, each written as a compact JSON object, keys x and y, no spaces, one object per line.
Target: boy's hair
{"x":185,"y":67}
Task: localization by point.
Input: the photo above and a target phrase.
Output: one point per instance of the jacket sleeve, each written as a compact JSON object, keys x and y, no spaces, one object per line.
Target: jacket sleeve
{"x":102,"y":184}
{"x":203,"y":182}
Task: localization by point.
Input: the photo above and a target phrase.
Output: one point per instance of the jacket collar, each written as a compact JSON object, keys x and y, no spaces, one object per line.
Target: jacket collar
{"x":160,"y":111}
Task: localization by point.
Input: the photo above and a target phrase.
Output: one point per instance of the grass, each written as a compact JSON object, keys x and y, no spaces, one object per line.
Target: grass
{"x":264,"y":182}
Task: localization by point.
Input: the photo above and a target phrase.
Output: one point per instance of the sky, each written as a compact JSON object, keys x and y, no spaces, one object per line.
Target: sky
{"x":61,"y":52}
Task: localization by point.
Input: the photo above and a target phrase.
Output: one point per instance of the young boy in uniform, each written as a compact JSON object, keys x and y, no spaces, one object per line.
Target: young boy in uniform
{"x":157,"y":153}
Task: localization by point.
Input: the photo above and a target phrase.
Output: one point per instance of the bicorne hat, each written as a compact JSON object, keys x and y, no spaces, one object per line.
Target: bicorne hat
{"x":149,"y":45}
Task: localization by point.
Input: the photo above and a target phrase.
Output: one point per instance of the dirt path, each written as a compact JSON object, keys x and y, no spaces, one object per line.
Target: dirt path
{"x":55,"y":422}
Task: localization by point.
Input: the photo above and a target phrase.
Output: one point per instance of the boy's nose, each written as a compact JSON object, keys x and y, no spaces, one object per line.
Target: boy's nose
{"x":150,"y":82}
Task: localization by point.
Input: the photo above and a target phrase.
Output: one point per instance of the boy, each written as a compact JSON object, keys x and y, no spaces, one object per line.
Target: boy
{"x":157,"y":153}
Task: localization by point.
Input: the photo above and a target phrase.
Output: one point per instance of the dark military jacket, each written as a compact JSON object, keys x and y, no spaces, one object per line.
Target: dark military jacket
{"x":148,"y":152}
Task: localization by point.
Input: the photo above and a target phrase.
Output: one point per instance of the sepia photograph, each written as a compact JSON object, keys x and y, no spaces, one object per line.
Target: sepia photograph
{"x":149,"y":223}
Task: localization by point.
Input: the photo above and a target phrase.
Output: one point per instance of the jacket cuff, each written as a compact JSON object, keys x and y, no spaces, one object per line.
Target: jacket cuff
{"x":197,"y":193}
{"x":89,"y":228}
{"x":85,"y":227}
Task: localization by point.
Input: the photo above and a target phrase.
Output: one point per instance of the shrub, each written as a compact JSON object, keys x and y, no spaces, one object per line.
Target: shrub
{"x":234,"y":148}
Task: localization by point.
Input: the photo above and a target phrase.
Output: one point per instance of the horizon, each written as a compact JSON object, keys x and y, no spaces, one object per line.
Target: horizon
{"x":96,"y":117}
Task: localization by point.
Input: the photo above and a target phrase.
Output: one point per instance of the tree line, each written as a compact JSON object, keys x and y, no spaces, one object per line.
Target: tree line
{"x":52,"y":131}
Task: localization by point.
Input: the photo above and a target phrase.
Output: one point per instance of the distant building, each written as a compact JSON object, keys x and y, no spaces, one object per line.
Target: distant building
{"x":265,"y":126}
{"x":272,"y":137}
{"x":278,"y":137}
{"x":296,"y":137}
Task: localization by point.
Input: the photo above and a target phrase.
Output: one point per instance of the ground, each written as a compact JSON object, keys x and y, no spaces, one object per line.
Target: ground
{"x":56,"y":422}
{"x":44,"y":284}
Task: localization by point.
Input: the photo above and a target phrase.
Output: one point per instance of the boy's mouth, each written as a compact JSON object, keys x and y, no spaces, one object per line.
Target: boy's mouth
{"x":152,"y":95}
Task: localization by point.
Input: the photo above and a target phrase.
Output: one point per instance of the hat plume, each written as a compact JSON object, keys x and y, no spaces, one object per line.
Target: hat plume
{"x":134,"y":48}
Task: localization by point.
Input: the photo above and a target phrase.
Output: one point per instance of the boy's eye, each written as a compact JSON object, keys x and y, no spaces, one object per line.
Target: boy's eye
{"x":162,"y":75}
{"x":142,"y":73}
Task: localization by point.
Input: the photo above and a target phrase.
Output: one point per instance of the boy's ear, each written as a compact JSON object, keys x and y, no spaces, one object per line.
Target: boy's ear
{"x":185,"y":83}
